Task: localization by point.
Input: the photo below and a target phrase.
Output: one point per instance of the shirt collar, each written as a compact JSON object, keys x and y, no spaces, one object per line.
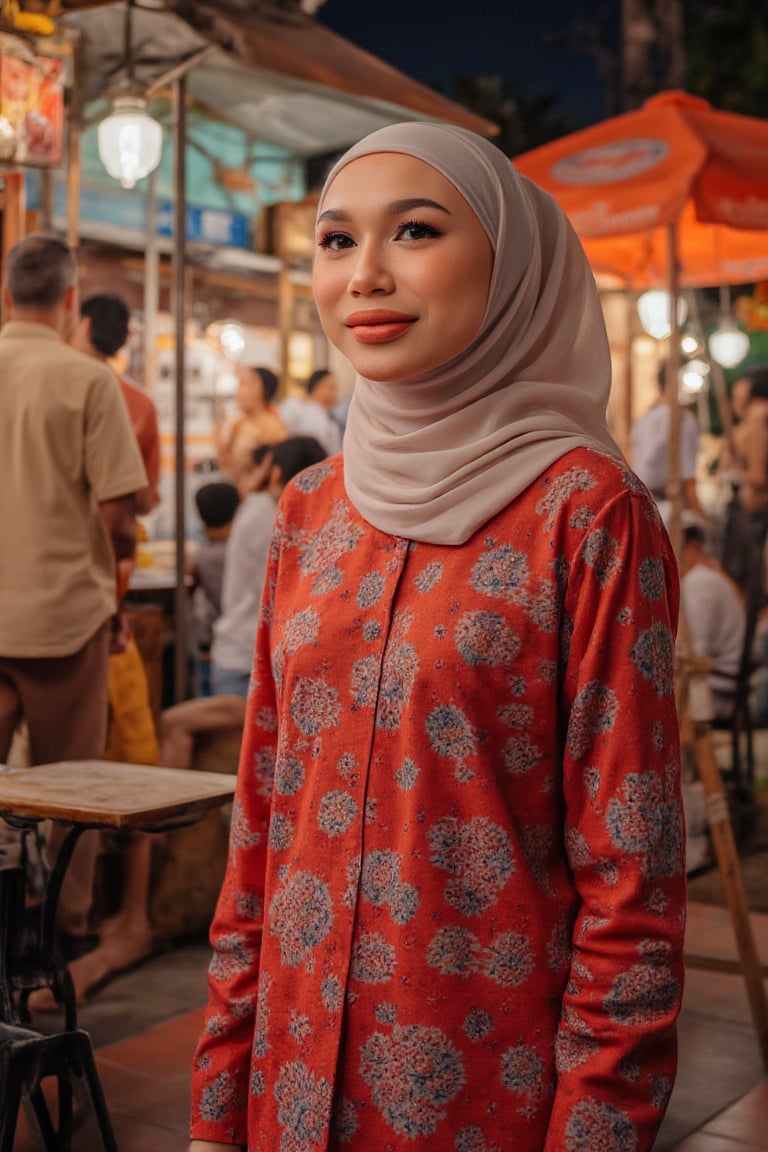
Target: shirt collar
{"x":23,"y":328}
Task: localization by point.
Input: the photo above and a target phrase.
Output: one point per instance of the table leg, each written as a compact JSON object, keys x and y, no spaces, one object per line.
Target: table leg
{"x":42,"y":965}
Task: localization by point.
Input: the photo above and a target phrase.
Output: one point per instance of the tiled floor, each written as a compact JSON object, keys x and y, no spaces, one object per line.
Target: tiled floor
{"x":145,"y":1025}
{"x":741,"y":1128}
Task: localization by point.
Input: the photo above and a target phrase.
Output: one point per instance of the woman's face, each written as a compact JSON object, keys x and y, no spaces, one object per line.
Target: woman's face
{"x":402,"y":269}
{"x":250,"y":390}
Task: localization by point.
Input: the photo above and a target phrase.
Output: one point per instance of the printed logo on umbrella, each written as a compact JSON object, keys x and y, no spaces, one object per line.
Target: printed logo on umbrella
{"x":611,"y":163}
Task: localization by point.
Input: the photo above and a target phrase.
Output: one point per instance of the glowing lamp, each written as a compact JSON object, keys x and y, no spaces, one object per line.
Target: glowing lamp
{"x":130,"y":141}
{"x":728,"y":344}
{"x":654,"y":311}
{"x":693,"y":375}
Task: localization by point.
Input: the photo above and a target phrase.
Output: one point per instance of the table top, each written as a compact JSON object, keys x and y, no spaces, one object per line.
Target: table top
{"x":103,"y":793}
{"x":152,"y":580}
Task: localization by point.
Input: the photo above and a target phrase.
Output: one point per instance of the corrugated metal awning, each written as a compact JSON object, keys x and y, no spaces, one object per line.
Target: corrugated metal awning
{"x":282,"y":77}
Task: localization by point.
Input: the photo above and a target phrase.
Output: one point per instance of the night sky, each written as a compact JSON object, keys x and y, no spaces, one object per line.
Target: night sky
{"x":433,"y":40}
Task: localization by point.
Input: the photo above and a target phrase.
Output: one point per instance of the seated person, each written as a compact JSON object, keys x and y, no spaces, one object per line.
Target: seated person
{"x":234,"y":633}
{"x":216,"y":506}
{"x":715,"y":614}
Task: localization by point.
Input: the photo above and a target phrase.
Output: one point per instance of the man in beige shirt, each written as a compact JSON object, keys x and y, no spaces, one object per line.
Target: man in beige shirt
{"x":69,"y":471}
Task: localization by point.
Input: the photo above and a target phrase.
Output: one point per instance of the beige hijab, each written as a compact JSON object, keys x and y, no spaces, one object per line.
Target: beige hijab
{"x":434,"y":457}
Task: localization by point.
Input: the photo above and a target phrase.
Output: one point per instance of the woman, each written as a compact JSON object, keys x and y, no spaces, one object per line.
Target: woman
{"x":453,"y":913}
{"x":259,"y":424}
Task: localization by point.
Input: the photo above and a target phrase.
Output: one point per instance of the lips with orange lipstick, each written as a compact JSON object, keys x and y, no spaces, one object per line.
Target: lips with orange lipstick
{"x":378,"y":325}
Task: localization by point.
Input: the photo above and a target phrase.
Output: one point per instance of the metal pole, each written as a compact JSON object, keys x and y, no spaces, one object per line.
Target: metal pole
{"x":179,"y":308}
{"x":674,"y":483}
{"x":73,"y":167}
{"x":285,"y":323}
{"x":151,"y":286}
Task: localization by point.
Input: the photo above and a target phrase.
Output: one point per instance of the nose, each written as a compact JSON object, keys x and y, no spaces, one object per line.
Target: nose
{"x":371,"y":273}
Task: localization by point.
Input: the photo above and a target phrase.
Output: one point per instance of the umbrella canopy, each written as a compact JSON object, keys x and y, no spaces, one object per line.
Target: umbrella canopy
{"x":675,"y":193}
{"x":676,"y":161}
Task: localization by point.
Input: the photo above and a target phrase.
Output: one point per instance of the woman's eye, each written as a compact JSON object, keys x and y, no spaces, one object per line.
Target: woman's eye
{"x":335,"y":241}
{"x":416,"y":230}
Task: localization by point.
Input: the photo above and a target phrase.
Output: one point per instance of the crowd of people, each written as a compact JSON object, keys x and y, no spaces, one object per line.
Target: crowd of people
{"x":723,"y":558}
{"x":81,"y":464}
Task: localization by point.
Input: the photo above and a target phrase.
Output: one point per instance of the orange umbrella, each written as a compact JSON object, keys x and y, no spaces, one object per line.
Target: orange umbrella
{"x":675,"y":162}
{"x":674,"y":193}
{"x":708,"y":254}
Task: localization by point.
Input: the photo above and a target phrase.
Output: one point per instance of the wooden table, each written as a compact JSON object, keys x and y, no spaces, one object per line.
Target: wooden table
{"x":83,"y":794}
{"x":105,"y":794}
{"x":92,"y":794}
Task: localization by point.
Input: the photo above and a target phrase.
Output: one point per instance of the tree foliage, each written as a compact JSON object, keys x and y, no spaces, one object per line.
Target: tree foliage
{"x":524,"y":123}
{"x":727,"y":53}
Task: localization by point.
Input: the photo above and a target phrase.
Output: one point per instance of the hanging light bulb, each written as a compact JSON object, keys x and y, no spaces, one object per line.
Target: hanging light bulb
{"x":232,"y":340}
{"x":689,"y":345}
{"x":693,"y":375}
{"x":728,"y":344}
{"x":227,"y":337}
{"x":654,"y":311}
{"x":130,"y":141}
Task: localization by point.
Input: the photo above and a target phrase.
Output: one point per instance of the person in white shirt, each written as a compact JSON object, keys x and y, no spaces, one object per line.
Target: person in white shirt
{"x":650,"y":451}
{"x":245,"y":562}
{"x":312,"y":414}
{"x":715,"y":614}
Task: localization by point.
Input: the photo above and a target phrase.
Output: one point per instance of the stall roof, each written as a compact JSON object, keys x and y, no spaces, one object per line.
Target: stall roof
{"x":273,"y":71}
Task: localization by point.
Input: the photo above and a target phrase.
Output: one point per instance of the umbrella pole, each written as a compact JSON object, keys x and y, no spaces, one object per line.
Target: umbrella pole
{"x":674,"y":483}
{"x":180,"y":307}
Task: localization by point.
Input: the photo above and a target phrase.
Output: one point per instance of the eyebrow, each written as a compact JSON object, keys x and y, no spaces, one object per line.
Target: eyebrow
{"x":395,"y":208}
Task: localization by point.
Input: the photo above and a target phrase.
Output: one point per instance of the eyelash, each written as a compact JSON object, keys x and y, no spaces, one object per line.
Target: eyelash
{"x":428,"y":232}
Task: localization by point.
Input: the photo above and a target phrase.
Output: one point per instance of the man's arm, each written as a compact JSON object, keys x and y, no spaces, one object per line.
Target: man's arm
{"x":119,"y":518}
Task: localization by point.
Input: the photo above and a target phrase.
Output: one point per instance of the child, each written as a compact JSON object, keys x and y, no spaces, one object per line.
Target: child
{"x":216,"y":506}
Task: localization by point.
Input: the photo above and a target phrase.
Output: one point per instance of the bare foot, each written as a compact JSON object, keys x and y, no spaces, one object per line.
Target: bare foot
{"x":42,"y":1000}
{"x":117,"y":951}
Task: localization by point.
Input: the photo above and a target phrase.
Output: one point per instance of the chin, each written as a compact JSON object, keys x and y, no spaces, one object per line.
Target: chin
{"x":387,"y":369}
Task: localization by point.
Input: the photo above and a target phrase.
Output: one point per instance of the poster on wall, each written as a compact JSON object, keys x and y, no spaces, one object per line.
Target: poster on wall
{"x":31,"y":105}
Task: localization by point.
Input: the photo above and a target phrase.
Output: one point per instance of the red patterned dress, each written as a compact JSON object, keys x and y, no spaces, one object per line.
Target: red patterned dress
{"x":453,"y":913}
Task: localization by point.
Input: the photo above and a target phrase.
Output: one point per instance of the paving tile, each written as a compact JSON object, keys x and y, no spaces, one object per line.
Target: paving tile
{"x":709,"y":932}
{"x":745,"y":1119}
{"x":140,"y":1135}
{"x":165,"y":1050}
{"x":705,"y":1142}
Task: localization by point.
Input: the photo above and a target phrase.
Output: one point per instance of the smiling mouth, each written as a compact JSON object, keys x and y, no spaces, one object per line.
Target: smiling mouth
{"x":377,"y":326}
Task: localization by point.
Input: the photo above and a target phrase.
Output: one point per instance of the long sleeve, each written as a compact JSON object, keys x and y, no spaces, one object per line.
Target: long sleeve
{"x":616,"y":1046}
{"x":222,"y":1061}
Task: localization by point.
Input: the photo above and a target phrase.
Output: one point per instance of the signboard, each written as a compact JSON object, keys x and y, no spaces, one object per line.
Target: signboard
{"x":31,"y":105}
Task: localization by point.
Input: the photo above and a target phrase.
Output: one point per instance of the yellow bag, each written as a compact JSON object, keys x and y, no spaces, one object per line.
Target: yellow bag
{"x":131,"y":736}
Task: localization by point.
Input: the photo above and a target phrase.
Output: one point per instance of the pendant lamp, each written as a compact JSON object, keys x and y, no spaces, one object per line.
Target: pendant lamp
{"x":728,"y":343}
{"x":130,"y":141}
{"x":654,"y":310}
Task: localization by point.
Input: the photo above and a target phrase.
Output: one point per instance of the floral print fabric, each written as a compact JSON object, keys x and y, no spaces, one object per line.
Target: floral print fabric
{"x":453,"y":912}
